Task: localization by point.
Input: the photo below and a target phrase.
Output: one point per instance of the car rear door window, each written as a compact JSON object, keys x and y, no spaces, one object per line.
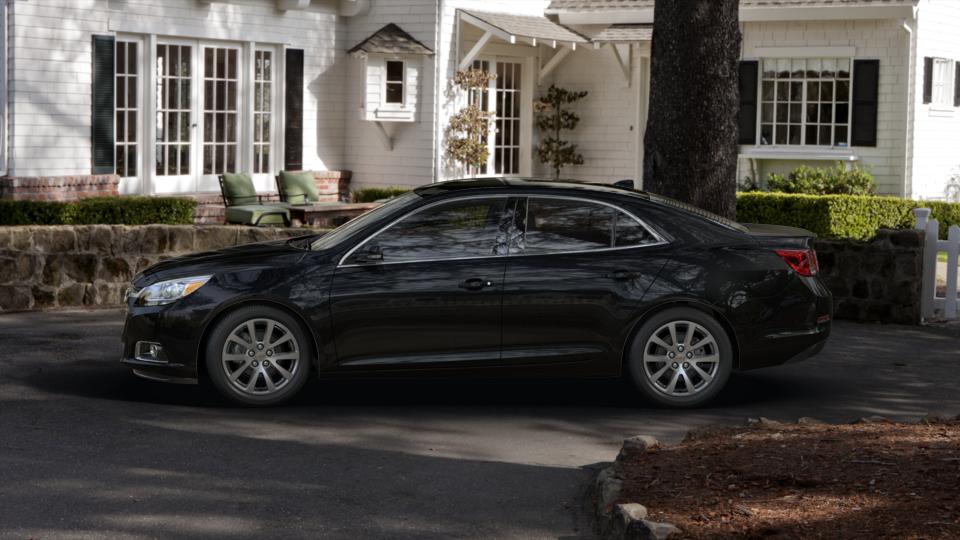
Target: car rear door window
{"x":453,"y":230}
{"x":570,"y":225}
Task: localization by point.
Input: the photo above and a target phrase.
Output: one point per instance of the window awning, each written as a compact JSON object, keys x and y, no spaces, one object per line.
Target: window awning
{"x":513,"y":28}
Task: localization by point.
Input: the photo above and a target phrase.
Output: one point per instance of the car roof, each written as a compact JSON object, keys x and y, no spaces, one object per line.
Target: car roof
{"x":454,"y":186}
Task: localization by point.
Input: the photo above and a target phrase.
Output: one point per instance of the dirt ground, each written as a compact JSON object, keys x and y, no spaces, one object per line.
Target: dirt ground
{"x":857,"y":481}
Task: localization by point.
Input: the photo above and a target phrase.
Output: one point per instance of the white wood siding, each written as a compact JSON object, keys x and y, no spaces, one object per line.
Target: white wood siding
{"x":936,"y":133}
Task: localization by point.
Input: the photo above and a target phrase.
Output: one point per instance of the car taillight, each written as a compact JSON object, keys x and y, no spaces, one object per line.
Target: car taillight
{"x":802,"y":261}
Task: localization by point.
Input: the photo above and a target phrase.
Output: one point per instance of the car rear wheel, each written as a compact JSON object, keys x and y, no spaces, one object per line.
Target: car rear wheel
{"x":258,"y":356}
{"x":680,"y":357}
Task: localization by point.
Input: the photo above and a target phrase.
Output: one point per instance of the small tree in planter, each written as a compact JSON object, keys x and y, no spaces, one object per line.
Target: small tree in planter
{"x":552,"y":117}
{"x":466,"y":134}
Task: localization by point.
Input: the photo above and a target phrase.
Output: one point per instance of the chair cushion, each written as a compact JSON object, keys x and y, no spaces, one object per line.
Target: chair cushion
{"x":238,"y":189}
{"x":248,"y":214}
{"x":298,"y":187}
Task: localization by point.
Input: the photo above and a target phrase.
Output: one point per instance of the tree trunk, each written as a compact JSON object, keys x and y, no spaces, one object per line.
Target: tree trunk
{"x":690,"y":145}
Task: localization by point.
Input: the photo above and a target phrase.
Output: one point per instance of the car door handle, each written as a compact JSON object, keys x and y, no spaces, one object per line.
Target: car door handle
{"x":475,"y":284}
{"x":622,"y":275}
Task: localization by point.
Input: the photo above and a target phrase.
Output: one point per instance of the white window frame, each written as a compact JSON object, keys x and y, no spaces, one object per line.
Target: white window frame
{"x":140,"y":130}
{"x":803,"y":104}
{"x":943,"y":81}
{"x":386,"y":81}
{"x":149,"y":181}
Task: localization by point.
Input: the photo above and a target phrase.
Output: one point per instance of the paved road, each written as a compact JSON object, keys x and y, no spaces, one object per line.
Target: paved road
{"x":88,"y":451}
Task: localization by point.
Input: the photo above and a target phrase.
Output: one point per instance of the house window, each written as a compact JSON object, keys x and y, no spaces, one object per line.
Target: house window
{"x":805,"y":101}
{"x":262,"y":109}
{"x":394,"y":93}
{"x":127,"y":104}
{"x":943,"y":80}
{"x":174,"y":66}
{"x":221,"y":136}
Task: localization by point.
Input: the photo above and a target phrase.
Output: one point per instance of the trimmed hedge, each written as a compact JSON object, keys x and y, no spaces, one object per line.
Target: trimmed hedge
{"x":100,"y":210}
{"x":840,"y":216}
{"x":373,"y":194}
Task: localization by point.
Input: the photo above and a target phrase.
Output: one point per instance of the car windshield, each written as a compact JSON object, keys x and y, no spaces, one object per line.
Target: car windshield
{"x":719,"y":220}
{"x":347,"y":230}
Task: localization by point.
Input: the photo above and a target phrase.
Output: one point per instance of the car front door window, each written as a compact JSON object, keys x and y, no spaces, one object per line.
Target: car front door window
{"x":469,"y":228}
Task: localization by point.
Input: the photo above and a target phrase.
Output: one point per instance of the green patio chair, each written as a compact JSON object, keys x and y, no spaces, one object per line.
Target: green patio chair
{"x":245,"y":207}
{"x":297,"y":187}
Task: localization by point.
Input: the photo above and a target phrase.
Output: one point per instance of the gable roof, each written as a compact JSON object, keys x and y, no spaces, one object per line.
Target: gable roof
{"x":391,"y":39}
{"x":557,"y":6}
{"x":624,"y":33}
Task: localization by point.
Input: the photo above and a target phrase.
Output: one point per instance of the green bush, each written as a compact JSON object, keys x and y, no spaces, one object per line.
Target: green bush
{"x":100,"y":210}
{"x":372,"y":194}
{"x":840,"y":216}
{"x":836,"y":180}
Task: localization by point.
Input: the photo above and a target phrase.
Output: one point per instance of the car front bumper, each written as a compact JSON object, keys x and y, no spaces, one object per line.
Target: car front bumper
{"x":176,"y":329}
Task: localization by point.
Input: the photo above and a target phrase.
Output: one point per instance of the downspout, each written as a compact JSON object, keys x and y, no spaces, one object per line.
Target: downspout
{"x":437,"y":93}
{"x":909,"y":128}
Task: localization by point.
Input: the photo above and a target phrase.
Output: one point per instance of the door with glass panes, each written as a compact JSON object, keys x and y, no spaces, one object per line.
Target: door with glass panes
{"x":510,"y":130}
{"x":214,"y":112}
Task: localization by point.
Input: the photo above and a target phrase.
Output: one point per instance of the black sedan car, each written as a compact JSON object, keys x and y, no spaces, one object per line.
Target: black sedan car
{"x":484,"y":277}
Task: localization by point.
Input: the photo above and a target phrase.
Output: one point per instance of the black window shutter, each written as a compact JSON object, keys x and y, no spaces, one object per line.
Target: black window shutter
{"x":927,"y":79}
{"x":749,"y":71}
{"x":293,"y":116}
{"x":956,"y":84}
{"x":866,"y":80}
{"x":102,"y":134}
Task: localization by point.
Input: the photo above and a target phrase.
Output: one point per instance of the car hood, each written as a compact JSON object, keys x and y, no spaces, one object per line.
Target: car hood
{"x":247,"y":256}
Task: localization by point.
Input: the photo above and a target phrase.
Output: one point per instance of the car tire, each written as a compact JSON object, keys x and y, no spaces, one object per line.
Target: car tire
{"x":266,"y":369}
{"x":680,"y":357}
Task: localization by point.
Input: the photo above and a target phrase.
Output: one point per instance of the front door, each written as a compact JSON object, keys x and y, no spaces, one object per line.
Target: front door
{"x":575,"y":282}
{"x":426,"y":291}
{"x":510,"y":132}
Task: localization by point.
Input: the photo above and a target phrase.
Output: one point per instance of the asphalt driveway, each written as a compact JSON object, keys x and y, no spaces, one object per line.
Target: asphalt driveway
{"x":88,"y":451}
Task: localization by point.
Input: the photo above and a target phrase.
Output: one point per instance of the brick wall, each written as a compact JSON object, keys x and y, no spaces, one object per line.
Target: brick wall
{"x":58,"y":188}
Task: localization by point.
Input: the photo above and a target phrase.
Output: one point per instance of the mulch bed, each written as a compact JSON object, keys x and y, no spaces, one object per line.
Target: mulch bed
{"x":857,"y":481}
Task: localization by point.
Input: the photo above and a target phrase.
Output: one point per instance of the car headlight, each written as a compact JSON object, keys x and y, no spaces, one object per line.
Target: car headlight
{"x":166,"y":292}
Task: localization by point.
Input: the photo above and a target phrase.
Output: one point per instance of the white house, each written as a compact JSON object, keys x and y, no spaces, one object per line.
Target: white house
{"x":167,"y":94}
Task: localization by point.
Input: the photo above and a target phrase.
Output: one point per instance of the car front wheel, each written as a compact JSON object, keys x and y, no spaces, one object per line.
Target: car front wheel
{"x":680,"y":357}
{"x":258,"y":356}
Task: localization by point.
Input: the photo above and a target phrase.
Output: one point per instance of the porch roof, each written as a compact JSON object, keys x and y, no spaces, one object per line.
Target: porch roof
{"x":391,"y":39}
{"x":511,"y":27}
{"x":624,"y":33}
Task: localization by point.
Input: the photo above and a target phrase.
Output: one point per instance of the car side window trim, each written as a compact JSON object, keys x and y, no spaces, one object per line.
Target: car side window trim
{"x":520,"y":199}
{"x":412,"y":213}
{"x":659,"y":240}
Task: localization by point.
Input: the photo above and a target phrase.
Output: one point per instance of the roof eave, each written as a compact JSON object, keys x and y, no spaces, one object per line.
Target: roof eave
{"x":748,"y":14}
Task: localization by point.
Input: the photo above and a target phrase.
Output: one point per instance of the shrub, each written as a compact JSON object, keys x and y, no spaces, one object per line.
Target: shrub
{"x":836,"y":180}
{"x":840,"y":216}
{"x":100,"y":210}
{"x":373,"y":194}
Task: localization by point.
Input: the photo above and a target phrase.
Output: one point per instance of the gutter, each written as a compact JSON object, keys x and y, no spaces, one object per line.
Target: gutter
{"x":437,"y":93}
{"x":910,"y":127}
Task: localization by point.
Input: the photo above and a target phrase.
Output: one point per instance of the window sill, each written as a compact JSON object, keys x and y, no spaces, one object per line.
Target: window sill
{"x":783,"y":153}
{"x":942,"y":110}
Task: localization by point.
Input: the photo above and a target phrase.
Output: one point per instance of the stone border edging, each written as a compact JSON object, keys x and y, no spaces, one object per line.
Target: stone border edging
{"x":628,"y":521}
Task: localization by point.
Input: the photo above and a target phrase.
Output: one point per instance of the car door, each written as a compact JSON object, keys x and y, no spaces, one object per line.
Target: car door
{"x":426,"y":290}
{"x":574,"y":282}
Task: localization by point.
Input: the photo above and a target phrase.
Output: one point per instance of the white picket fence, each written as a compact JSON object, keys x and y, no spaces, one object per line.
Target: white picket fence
{"x":931,"y":304}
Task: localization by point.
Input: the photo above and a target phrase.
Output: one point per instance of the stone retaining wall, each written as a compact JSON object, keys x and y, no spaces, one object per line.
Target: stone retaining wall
{"x":877,"y":280}
{"x":92,"y":265}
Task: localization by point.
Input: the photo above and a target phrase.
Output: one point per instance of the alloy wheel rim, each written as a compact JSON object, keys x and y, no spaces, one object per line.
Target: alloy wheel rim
{"x":681,"y":359}
{"x":260,"y":357}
